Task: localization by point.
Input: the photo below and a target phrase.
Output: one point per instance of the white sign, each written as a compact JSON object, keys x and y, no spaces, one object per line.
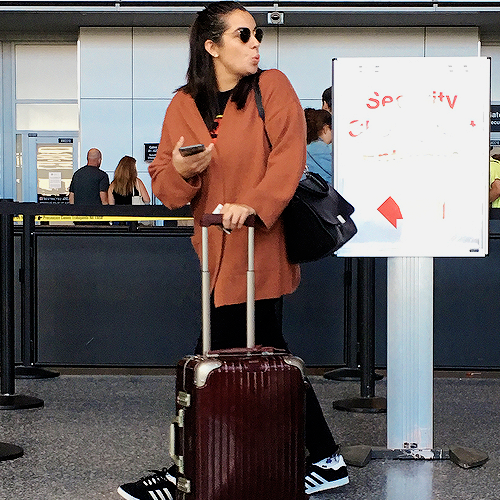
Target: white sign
{"x":411,"y":153}
{"x":55,"y":180}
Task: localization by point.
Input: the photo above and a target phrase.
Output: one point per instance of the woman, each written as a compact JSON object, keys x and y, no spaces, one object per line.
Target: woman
{"x":126,"y":184}
{"x":242,"y":172}
{"x":319,"y":140}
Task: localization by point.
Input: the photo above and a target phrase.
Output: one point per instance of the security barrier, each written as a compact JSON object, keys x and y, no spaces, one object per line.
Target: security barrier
{"x":28,"y":213}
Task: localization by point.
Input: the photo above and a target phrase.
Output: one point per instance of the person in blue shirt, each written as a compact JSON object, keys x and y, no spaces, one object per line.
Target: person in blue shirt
{"x":319,"y":142}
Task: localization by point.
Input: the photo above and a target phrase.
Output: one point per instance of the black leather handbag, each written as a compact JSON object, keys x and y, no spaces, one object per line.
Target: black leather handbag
{"x":317,"y":220}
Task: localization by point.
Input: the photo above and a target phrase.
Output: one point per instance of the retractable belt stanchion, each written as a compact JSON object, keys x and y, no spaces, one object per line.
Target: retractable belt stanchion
{"x":7,"y":451}
{"x":9,"y":400}
{"x":367,"y":403}
{"x":27,"y":369}
{"x":351,"y":372}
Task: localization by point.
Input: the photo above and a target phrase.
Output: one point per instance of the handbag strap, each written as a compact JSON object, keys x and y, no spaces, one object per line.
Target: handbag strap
{"x":315,"y":184}
{"x":260,"y":106}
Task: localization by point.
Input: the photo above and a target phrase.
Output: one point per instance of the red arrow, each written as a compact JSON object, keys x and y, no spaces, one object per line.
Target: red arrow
{"x":391,"y":211}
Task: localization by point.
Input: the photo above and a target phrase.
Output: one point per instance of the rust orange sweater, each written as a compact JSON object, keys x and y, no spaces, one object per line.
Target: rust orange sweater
{"x":243,"y":170}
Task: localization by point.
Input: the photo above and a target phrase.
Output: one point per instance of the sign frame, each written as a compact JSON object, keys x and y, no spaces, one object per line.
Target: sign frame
{"x":411,"y":153}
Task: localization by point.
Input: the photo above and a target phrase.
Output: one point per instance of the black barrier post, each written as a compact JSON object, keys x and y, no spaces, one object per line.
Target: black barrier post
{"x":7,"y":451}
{"x":8,"y":399}
{"x":367,"y":403}
{"x":351,"y":372}
{"x":28,"y":339}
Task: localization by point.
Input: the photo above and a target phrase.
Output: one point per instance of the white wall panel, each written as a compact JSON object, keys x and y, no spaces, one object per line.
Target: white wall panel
{"x":451,"y":42}
{"x":58,"y":83}
{"x":311,"y":103}
{"x":107,"y":126}
{"x":148,"y":121}
{"x":269,"y":49}
{"x":305,"y":54}
{"x":106,"y":62}
{"x":161,"y":58}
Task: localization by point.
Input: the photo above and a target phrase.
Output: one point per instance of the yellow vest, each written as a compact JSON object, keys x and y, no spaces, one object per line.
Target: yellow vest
{"x":494,"y":174}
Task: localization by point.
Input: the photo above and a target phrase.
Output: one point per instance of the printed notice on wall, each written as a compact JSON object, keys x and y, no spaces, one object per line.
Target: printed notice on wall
{"x":55,"y":180}
{"x":411,"y":153}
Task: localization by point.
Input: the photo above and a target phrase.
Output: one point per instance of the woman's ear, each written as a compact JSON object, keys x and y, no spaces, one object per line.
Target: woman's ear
{"x":325,"y":129}
{"x":211,"y":48}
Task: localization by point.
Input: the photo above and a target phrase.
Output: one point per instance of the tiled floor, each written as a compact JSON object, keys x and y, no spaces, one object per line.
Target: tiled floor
{"x":98,"y":431}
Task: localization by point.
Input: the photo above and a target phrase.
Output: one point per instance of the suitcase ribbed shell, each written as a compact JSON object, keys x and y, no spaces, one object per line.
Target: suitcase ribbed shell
{"x":243,"y":434}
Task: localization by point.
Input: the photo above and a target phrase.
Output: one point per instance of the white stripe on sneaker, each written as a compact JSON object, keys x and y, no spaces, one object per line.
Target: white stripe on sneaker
{"x":318,"y":478}
{"x":162,"y":494}
{"x":311,"y":481}
{"x":321,"y":479}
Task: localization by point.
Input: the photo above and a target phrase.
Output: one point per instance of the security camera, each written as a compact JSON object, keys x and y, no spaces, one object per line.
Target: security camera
{"x":275,"y":17}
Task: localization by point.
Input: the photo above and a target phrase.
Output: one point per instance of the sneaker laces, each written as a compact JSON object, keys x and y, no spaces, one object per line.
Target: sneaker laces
{"x":330,"y":462}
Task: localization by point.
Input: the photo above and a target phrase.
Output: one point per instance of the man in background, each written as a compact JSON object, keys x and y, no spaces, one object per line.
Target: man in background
{"x":327,"y":99}
{"x":89,"y":185}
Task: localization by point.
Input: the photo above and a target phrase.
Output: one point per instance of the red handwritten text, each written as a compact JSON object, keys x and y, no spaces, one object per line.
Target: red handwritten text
{"x":441,"y":97}
{"x":375,"y":103}
{"x":358,"y":127}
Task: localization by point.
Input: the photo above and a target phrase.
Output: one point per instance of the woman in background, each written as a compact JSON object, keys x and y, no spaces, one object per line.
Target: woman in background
{"x":126,"y":184}
{"x":319,"y":142}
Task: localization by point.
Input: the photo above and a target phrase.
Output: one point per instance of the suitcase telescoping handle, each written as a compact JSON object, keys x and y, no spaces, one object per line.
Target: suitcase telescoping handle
{"x":216,"y":219}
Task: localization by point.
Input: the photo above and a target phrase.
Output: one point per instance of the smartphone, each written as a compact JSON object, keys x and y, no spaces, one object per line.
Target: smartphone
{"x":191,"y":150}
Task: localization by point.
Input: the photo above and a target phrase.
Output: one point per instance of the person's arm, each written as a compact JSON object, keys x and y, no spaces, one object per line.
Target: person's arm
{"x":494,"y":190}
{"x":143,"y":192}
{"x":72,"y":198}
{"x":285,"y":125}
{"x":104,"y":197}
{"x":111,"y":198}
{"x":173,"y":178}
{"x":103,"y":189}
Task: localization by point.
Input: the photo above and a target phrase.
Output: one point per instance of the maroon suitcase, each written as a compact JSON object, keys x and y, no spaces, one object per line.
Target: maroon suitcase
{"x":238,"y":433}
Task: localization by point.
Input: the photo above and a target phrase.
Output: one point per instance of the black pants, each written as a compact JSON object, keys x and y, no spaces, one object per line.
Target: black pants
{"x":228,"y":329}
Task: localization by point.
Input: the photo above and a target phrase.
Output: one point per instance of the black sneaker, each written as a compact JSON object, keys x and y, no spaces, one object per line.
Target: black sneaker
{"x":327,"y":474}
{"x":159,"y":485}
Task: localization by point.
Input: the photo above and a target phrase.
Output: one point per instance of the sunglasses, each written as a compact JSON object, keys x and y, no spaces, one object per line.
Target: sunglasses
{"x":245,"y":34}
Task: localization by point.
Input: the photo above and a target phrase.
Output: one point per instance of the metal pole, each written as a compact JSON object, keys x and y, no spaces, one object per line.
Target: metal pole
{"x":366,"y":322}
{"x":410,"y":353}
{"x":8,"y":399}
{"x":367,"y":403}
{"x":28,"y":333}
{"x":7,"y":300}
{"x":352,"y":342}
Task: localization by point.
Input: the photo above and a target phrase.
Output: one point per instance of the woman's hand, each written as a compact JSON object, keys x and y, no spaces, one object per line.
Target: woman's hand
{"x":189,"y":166}
{"x":234,"y":215}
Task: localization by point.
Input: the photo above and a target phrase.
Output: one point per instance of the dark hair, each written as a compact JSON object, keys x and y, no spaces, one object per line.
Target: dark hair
{"x":316,"y":119}
{"x":327,"y":97}
{"x":201,"y":81}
